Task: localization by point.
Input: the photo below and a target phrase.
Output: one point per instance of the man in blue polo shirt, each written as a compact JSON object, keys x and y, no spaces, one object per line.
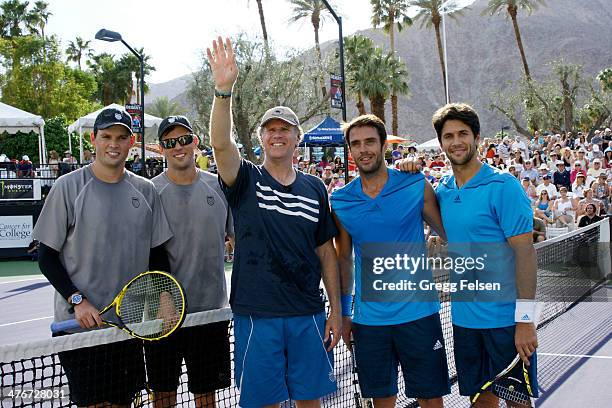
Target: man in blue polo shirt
{"x":386,"y":207}
{"x":284,"y":230}
{"x":484,"y":208}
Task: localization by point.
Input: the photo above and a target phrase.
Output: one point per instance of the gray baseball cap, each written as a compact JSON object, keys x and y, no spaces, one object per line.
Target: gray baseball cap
{"x":280,"y":112}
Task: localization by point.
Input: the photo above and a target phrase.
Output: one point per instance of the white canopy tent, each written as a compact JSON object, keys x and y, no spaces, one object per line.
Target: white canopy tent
{"x":432,"y":144}
{"x":86,"y":123}
{"x":13,"y":120}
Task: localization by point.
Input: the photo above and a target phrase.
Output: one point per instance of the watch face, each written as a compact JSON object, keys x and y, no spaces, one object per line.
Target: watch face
{"x":76,"y":299}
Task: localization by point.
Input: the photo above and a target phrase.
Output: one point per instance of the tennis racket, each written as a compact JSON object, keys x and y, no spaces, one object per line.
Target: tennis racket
{"x":151,"y":306}
{"x":511,"y":384}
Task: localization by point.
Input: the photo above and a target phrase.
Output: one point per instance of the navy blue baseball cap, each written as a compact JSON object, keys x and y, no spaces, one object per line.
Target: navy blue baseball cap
{"x":113,"y":116}
{"x":170,"y":122}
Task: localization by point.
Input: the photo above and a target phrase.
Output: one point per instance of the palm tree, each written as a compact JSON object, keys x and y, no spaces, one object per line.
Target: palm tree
{"x":14,"y":14}
{"x":76,"y":50}
{"x":357,"y":49}
{"x":512,"y":7}
{"x":163,"y":107}
{"x":391,"y":13}
{"x":316,"y":12}
{"x":39,"y":16}
{"x":262,"y":21}
{"x":430,"y":14}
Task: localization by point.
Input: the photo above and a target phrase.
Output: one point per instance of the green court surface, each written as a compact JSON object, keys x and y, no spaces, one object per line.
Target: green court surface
{"x":18,"y":268}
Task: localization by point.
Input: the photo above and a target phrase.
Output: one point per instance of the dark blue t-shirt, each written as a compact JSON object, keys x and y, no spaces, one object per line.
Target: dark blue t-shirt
{"x":276,"y":269}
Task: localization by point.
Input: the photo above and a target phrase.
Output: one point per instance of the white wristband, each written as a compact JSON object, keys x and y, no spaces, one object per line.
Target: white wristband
{"x":526,"y":311}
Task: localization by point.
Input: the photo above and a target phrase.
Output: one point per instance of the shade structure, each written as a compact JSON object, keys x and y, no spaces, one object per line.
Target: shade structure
{"x":432,"y":144}
{"x":13,"y":120}
{"x":397,"y":139}
{"x":85,"y":124}
{"x":328,"y":133}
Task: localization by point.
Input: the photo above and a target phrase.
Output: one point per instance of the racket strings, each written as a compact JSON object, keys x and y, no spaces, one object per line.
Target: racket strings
{"x":512,"y":393}
{"x":151,"y":305}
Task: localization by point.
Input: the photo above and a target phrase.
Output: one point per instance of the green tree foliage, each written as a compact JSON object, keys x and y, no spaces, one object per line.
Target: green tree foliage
{"x":563,"y":101}
{"x":18,"y":144}
{"x":76,"y":50}
{"x":605,"y":79}
{"x":391,"y":14}
{"x":262,"y":83}
{"x":38,"y":81}
{"x":163,"y":107}
{"x":317,"y":13}
{"x":373,"y":74}
{"x":114,"y":76}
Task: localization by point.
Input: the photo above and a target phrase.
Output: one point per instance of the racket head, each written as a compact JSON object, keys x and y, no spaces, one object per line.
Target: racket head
{"x":511,"y":384}
{"x":151,"y":306}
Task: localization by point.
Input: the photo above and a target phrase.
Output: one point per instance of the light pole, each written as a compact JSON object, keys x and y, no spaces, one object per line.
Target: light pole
{"x":112,"y":36}
{"x":502,"y":130}
{"x":343,"y":84}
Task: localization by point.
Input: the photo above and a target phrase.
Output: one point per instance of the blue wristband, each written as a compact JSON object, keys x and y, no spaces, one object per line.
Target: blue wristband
{"x":347,"y":305}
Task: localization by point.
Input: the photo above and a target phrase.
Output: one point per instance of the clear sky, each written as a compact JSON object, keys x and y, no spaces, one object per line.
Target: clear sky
{"x":175,"y":32}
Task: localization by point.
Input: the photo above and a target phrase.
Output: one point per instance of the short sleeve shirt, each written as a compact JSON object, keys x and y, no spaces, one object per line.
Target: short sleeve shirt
{"x":103,"y":232}
{"x":199,"y":217}
{"x":276,"y":270}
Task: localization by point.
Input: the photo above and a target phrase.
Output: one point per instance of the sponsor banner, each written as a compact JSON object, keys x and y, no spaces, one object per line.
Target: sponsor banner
{"x":16,"y":231}
{"x":17,"y":189}
{"x":135,"y":111}
{"x":336,"y":91}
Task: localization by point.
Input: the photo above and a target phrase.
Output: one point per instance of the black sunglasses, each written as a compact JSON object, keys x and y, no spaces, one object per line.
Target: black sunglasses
{"x":182,"y":140}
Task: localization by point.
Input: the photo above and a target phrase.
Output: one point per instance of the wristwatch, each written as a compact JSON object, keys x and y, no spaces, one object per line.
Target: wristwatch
{"x":76,"y":299}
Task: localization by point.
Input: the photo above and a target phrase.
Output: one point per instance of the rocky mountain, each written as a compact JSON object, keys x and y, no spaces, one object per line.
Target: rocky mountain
{"x":483,"y":57}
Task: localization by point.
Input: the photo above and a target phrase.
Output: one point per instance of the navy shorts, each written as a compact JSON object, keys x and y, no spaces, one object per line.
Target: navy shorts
{"x":481,"y":354}
{"x":281,"y":357}
{"x":417,"y":346}
{"x":206,"y":351}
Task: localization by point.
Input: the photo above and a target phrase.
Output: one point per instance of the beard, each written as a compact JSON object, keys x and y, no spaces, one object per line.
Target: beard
{"x":470,"y":154}
{"x":373,"y":167}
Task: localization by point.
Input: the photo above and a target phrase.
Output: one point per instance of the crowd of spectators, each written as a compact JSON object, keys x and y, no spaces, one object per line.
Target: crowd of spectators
{"x":567,"y":177}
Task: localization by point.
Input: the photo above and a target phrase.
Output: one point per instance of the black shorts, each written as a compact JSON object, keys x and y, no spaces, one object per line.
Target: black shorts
{"x":206,"y":351}
{"x":106,"y":373}
{"x":417,"y":346}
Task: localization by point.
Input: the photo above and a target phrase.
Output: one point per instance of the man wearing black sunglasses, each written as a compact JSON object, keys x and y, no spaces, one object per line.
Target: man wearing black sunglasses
{"x":192,"y":196}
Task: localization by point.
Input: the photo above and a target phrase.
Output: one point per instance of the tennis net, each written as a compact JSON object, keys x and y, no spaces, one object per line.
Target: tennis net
{"x":571,"y":269}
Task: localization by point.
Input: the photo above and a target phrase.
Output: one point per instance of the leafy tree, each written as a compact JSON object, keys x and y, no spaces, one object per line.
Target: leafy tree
{"x":163,"y":107}
{"x":391,"y":14}
{"x":114,"y":77}
{"x":76,"y":50}
{"x":36,"y":80}
{"x":357,"y":49}
{"x":39,"y":17}
{"x":15,"y":20}
{"x":605,"y":79}
{"x":316,"y":12}
{"x":512,"y":7}
{"x":261,"y":84}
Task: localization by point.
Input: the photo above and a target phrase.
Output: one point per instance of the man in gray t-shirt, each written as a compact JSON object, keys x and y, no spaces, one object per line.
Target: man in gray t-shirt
{"x":97,"y":230}
{"x":200,"y":220}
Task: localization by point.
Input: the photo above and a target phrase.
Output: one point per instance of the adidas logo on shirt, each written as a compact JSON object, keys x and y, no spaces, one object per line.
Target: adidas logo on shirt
{"x":438,"y":345}
{"x":525,"y":317}
{"x":457,"y":199}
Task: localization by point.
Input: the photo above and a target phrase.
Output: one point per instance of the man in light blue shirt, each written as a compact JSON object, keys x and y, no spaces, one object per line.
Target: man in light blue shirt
{"x":380,"y":214}
{"x":486,"y":211}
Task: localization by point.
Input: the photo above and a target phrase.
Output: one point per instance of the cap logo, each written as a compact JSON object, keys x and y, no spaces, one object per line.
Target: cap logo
{"x":118,"y":116}
{"x":171,"y":120}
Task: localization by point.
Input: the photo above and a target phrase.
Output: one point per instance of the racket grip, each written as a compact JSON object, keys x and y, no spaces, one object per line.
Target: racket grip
{"x":65,"y":325}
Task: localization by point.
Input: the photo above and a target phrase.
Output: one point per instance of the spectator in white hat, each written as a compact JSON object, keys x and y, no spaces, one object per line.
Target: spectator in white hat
{"x":595,"y":169}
